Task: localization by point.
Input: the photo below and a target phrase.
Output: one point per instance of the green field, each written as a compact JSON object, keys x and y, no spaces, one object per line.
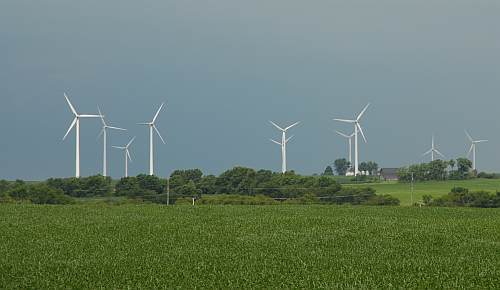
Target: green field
{"x":152,"y":246}
{"x":434,"y":188}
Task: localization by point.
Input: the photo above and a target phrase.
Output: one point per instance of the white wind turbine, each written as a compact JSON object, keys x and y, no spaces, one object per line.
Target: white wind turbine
{"x":76,"y":122}
{"x":127,"y":154}
{"x":433,"y":151}
{"x":152,"y":127}
{"x":349,"y":138}
{"x":357,"y":128}
{"x":473,"y":149}
{"x":283,"y":143}
{"x":104,"y":133}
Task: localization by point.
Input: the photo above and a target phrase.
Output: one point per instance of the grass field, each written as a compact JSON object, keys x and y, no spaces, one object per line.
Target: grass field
{"x":151,"y":246}
{"x":434,"y":188}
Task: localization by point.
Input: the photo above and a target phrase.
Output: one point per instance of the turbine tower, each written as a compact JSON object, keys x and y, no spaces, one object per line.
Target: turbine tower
{"x":473,"y":149}
{"x":433,"y":151}
{"x":104,"y":133}
{"x":357,"y":128}
{"x":349,"y":138}
{"x":152,"y":126}
{"x":127,"y":154}
{"x":76,"y":122}
{"x":283,"y":143}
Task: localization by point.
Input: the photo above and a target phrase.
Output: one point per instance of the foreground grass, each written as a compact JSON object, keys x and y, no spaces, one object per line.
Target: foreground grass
{"x":149,"y":246}
{"x":435,"y":188}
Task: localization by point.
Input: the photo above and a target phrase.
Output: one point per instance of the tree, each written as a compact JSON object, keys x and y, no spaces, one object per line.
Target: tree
{"x":328,"y":171}
{"x":151,"y":183}
{"x":372,"y":167}
{"x":363,"y":167}
{"x":182,"y":177}
{"x":238,"y":180}
{"x":128,"y":186}
{"x":207,"y":184}
{"x":188,"y":189}
{"x":452,"y":164}
{"x":464,"y":165}
{"x":341,"y":166}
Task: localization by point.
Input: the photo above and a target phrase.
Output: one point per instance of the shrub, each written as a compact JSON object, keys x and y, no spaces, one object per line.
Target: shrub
{"x":44,"y":194}
{"x":237,"y":200}
{"x":386,"y":199}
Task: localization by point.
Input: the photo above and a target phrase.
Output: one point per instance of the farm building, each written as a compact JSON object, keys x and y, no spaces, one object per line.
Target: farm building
{"x":389,"y":174}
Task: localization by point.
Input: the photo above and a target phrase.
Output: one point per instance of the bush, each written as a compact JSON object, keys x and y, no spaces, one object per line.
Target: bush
{"x":97,"y":185}
{"x":237,"y":200}
{"x":44,"y":194}
{"x":386,"y":199}
{"x":488,"y":175}
{"x":460,"y":196}
{"x":5,"y":197}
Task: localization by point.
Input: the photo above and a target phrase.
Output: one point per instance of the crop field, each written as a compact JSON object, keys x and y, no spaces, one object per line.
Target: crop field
{"x":434,"y":188}
{"x":314,"y":246}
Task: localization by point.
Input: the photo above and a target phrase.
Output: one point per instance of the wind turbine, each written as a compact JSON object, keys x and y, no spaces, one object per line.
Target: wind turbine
{"x":473,"y":149}
{"x":433,"y":151}
{"x":357,"y":128}
{"x":152,"y":127}
{"x":104,"y":133}
{"x":349,"y":138}
{"x":76,"y":122}
{"x":127,"y":154}
{"x":283,"y":143}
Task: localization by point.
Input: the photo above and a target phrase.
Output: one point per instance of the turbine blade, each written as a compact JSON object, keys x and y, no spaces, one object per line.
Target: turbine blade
{"x":427,"y":153}
{"x":468,"y":136}
{"x":70,"y":127}
{"x":291,"y":126}
{"x":148,"y":124}
{"x":439,"y":153}
{"x":342,"y":134}
{"x":129,"y":143}
{"x":279,"y":143}
{"x":158,"y":132}
{"x":118,"y":147}
{"x":470,"y":150}
{"x":480,"y":141}
{"x":128,"y":155}
{"x":116,"y":128}
{"x":361,"y":131}
{"x":345,"y":121}
{"x":91,"y":116}
{"x":70,"y":105}
{"x":100,"y":133}
{"x":279,"y":128}
{"x":102,"y":117}
{"x":362,"y":112}
{"x":286,"y":141}
{"x":158,"y":112}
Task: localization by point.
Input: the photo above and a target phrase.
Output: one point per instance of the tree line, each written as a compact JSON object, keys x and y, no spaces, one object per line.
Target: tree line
{"x":462,"y":197}
{"x":192,"y":182}
{"x":437,"y":170}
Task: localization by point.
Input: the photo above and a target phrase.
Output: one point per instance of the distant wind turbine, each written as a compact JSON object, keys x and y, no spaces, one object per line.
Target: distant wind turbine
{"x":433,"y":151}
{"x":473,"y":148}
{"x":127,"y":154}
{"x":283,"y":143}
{"x":104,"y":133}
{"x":152,"y":126}
{"x":76,"y":122}
{"x":357,"y":128}
{"x":349,"y":138}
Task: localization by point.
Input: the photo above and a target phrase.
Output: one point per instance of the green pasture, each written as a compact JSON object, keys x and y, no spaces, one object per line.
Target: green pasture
{"x":434,"y":188}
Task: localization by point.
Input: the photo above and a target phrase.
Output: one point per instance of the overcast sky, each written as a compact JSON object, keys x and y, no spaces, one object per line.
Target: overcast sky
{"x":226,"y":67}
